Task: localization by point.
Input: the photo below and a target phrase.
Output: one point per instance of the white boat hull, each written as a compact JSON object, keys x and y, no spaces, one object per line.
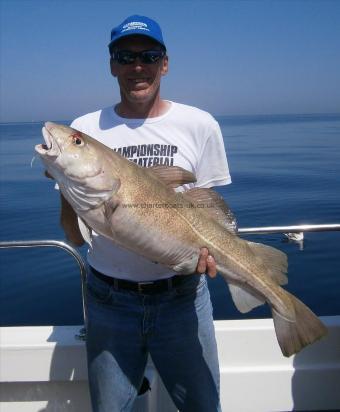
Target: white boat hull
{"x":44,"y":369}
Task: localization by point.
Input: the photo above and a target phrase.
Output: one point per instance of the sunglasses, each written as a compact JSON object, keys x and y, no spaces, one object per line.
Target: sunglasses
{"x":129,"y":57}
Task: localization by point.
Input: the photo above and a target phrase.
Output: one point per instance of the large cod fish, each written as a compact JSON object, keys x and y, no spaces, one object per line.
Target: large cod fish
{"x":138,"y":209}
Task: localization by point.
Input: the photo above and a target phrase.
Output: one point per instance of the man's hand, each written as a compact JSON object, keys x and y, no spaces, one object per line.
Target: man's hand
{"x":206,"y":263}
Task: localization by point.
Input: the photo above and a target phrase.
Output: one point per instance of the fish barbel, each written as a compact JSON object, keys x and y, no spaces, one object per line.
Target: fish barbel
{"x":138,"y":209}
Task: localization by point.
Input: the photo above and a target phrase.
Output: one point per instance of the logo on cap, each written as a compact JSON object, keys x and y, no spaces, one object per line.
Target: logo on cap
{"x":135,"y":25}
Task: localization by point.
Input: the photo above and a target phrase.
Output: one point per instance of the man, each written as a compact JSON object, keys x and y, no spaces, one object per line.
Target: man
{"x":136,"y":307}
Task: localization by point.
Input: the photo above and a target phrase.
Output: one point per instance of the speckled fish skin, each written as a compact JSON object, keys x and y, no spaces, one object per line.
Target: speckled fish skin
{"x":138,"y":209}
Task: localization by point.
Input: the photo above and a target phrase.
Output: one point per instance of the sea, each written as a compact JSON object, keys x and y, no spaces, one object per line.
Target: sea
{"x":285,"y":171}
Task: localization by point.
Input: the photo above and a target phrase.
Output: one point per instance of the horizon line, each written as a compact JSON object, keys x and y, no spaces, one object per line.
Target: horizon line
{"x":215,"y":115}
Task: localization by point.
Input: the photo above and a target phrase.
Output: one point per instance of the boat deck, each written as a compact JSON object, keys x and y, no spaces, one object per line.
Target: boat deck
{"x":44,"y":369}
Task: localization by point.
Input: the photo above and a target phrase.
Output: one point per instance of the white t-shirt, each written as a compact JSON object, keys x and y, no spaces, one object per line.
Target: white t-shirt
{"x":184,"y":136}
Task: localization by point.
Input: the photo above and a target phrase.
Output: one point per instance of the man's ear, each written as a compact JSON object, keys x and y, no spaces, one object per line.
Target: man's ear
{"x":165,"y":65}
{"x":113,"y":67}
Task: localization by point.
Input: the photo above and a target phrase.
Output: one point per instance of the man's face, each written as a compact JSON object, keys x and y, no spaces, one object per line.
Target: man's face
{"x":139,"y":82}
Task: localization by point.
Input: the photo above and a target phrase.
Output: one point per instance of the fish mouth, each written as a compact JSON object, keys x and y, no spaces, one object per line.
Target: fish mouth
{"x":50,"y":147}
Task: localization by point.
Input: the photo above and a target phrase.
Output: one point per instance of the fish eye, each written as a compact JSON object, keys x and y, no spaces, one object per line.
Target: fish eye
{"x":77,"y":140}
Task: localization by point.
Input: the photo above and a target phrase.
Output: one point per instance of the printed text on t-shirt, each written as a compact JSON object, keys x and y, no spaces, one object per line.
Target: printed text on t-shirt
{"x":147,"y":155}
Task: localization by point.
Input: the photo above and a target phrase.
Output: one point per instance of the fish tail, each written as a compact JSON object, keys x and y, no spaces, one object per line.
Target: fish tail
{"x":294,"y":335}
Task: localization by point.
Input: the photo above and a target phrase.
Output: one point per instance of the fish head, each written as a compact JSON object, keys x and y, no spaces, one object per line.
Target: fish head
{"x":81,"y":165}
{"x":70,"y":152}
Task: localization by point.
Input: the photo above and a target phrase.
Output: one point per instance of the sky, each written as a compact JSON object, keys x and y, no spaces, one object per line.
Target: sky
{"x":226,"y":57}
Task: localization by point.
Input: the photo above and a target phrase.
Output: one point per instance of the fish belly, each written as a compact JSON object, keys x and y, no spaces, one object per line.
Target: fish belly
{"x":160,"y":242}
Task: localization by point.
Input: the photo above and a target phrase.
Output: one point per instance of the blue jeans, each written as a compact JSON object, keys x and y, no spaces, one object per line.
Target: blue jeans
{"x":175,"y":328}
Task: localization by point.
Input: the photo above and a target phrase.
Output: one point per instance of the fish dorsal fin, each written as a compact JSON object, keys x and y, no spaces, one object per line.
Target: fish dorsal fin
{"x":274,"y":259}
{"x":214,"y":205}
{"x":244,"y":300}
{"x":173,"y":176}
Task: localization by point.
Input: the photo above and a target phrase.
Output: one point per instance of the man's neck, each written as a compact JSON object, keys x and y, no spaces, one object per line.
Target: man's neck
{"x":142,"y":110}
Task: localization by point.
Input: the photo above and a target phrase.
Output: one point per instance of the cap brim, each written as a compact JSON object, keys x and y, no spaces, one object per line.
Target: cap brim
{"x":136,"y":33}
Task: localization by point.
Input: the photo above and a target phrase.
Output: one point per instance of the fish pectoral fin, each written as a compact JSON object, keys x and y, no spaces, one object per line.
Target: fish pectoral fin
{"x":85,"y":231}
{"x":110,"y":206}
{"x":244,"y":300}
{"x":115,"y":186}
{"x":212,"y":203}
{"x":172,"y":176}
{"x":274,"y":259}
{"x":294,"y":334}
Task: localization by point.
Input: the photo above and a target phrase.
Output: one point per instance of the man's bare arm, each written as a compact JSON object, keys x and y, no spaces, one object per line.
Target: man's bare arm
{"x":69,"y":223}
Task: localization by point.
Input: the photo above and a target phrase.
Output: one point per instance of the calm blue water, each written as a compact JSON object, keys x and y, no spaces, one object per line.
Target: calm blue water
{"x":285,"y":170}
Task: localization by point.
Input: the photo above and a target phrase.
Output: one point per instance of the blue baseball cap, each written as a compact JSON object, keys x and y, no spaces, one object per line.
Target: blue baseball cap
{"x":141,"y":25}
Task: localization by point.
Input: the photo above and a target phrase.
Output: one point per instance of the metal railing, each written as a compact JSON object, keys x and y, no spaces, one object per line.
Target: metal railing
{"x":289,"y":231}
{"x":69,"y":249}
